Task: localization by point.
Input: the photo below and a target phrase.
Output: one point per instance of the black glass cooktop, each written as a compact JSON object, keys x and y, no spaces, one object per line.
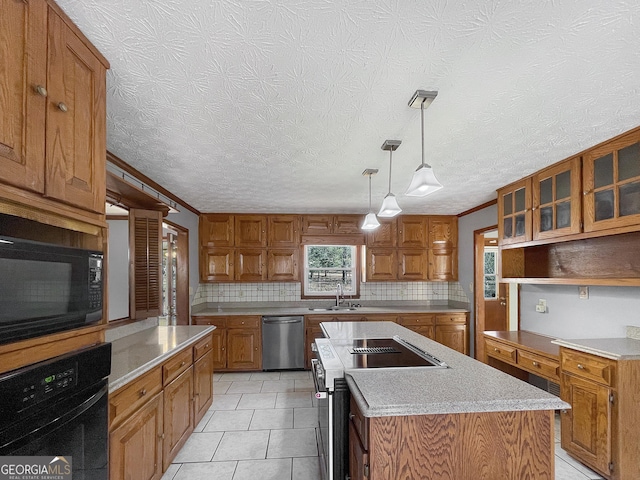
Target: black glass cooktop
{"x":387,"y":353}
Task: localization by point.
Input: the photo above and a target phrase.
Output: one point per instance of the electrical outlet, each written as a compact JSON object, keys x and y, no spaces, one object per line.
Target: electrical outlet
{"x":541,"y":306}
{"x":583,"y":292}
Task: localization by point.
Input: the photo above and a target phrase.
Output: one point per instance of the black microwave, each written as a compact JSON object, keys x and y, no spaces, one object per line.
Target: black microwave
{"x":46,"y":288}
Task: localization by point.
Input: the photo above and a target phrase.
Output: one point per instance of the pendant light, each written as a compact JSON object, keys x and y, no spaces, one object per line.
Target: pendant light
{"x":390,"y":207}
{"x":370,"y":221}
{"x":424,"y":181}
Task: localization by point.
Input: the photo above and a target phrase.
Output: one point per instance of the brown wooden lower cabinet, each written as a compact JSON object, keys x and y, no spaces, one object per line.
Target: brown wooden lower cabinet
{"x":463,"y":446}
{"x":135,"y":447}
{"x":601,"y":428}
{"x":237,"y":341}
{"x":178,"y":415}
{"x":149,"y":421}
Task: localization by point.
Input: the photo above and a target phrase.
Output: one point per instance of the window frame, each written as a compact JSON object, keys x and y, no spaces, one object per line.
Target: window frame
{"x":355,"y":272}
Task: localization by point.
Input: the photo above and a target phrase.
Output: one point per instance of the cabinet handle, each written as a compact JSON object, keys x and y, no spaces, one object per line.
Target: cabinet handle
{"x":182,"y":364}
{"x":206,"y":346}
{"x":40,"y":90}
{"x":351,"y":416}
{"x":62,"y":107}
{"x":535,"y":364}
{"x":161,"y":436}
{"x":143,"y":392}
{"x":496,"y":350}
{"x":580,"y":366}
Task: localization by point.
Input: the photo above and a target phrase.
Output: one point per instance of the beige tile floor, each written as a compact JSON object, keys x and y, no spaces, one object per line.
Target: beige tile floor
{"x":262,"y":426}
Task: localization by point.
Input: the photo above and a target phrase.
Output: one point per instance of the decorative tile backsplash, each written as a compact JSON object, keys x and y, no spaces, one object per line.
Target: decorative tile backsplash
{"x":291,"y":292}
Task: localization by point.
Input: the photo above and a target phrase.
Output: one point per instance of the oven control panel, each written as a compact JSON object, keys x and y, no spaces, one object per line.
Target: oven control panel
{"x":48,"y":385}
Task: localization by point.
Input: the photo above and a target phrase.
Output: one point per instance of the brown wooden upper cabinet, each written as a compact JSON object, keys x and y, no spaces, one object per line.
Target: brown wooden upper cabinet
{"x":612,"y":184}
{"x":331,"y":224}
{"x":53,"y":117}
{"x":443,"y":232}
{"x":557,"y":203}
{"x":412,"y":231}
{"x":251,"y":231}
{"x":216,"y":230}
{"x":283,"y":230}
{"x":514,"y":212}
{"x":386,"y":235}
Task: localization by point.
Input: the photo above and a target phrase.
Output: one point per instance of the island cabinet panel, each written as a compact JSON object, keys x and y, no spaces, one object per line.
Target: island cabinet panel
{"x":178,"y":415}
{"x":464,"y":446}
{"x":135,"y":447}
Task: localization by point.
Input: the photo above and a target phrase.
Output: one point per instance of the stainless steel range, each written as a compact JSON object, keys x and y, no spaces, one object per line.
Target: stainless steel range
{"x":333,"y":358}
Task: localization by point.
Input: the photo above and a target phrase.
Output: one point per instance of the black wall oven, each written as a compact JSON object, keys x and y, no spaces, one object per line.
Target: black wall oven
{"x":58,"y":408}
{"x":47,"y":288}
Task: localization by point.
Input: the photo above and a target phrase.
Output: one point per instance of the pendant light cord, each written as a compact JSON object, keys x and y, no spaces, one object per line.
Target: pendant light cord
{"x":422,"y":128}
{"x":370,"y":193}
{"x":390,"y":153}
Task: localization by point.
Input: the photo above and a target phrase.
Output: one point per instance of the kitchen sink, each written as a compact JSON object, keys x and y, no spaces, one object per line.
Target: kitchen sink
{"x":331,"y":309}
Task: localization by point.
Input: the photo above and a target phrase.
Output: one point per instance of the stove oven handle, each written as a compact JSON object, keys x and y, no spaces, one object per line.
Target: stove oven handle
{"x":317,"y":374}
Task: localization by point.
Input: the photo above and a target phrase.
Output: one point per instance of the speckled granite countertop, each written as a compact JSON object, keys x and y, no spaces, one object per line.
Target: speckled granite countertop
{"x":467,"y":386}
{"x":133,"y":355}
{"x":212,"y":310}
{"x":613,"y":348}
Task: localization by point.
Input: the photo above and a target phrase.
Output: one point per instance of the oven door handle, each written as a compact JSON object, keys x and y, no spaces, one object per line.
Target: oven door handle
{"x":319,"y":393}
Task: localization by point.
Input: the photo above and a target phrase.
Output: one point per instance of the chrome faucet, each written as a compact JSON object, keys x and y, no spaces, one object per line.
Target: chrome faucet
{"x":339,"y":292}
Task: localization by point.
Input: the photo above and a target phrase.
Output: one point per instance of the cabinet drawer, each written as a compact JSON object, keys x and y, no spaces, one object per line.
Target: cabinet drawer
{"x":219,"y":322}
{"x":243,"y":322}
{"x":176,"y":365}
{"x":132,"y":396}
{"x":598,"y":369}
{"x":410,"y":320}
{"x":545,"y":367}
{"x":451,"y":319}
{"x":501,"y":351}
{"x":202,"y":347}
{"x":360,"y":422}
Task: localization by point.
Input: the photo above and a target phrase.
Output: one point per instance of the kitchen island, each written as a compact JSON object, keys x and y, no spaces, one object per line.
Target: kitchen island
{"x":468,"y":421}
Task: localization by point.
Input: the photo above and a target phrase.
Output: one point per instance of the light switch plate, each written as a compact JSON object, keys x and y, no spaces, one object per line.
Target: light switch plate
{"x":583,"y":292}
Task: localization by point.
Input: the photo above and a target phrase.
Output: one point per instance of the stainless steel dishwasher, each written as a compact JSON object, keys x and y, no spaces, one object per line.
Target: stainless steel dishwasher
{"x":282,"y":342}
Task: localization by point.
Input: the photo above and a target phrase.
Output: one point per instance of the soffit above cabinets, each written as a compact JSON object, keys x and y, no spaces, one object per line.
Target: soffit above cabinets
{"x":271,"y":106}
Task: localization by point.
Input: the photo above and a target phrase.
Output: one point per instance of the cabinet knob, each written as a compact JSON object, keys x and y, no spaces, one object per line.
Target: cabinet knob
{"x":40,"y":90}
{"x":351,"y":416}
{"x":182,"y":364}
{"x":206,"y":346}
{"x":143,"y":392}
{"x":580,"y":366}
{"x":535,"y":364}
{"x":62,"y":107}
{"x":496,"y":349}
{"x":161,"y":436}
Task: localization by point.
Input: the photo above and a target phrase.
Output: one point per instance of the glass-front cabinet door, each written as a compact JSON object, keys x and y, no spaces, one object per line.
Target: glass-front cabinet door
{"x":514,"y":212}
{"x":557,"y":201}
{"x":612,"y":184}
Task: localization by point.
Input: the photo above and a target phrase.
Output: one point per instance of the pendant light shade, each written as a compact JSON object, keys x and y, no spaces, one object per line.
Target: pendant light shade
{"x":390,"y":207}
{"x":424,"y":181}
{"x":370,"y":221}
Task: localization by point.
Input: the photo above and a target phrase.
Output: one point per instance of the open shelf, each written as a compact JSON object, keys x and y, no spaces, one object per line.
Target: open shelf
{"x":607,"y":260}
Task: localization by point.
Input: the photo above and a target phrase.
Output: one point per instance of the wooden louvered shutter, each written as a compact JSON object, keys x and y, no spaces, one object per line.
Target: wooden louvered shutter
{"x":145,"y":263}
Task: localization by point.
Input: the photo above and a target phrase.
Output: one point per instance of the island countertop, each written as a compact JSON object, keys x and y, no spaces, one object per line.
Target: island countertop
{"x":467,"y":386}
{"x":135,"y":354}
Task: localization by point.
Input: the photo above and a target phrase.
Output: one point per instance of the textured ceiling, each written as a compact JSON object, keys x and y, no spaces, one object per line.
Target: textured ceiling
{"x":279,"y":105}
